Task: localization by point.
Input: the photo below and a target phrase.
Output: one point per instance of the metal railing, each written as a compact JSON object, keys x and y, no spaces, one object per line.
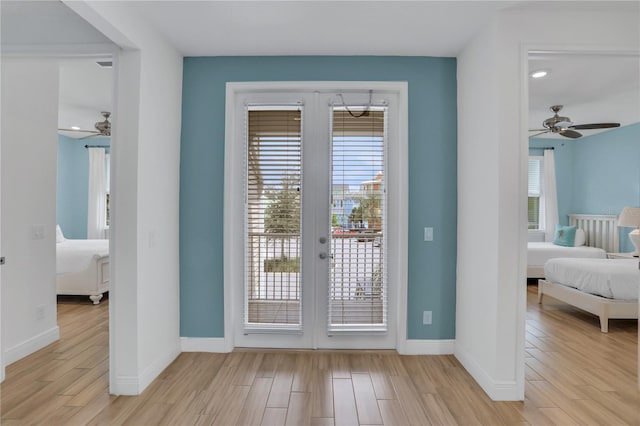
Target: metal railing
{"x":273,"y":266}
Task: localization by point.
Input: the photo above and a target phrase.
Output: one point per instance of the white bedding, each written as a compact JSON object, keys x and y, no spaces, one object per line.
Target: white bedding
{"x":612,"y":278}
{"x":76,"y":255}
{"x":539,"y":253}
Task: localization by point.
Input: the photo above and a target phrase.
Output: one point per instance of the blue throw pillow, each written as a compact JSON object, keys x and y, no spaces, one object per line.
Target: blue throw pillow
{"x":564,"y":236}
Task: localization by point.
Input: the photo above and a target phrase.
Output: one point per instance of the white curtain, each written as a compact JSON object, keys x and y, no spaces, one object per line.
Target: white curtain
{"x":97,"y":211}
{"x":549,"y":195}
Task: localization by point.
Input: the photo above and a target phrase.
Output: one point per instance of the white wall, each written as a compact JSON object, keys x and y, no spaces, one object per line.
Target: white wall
{"x":145,"y":187}
{"x":478,"y":198}
{"x":492,"y":126}
{"x":29,"y":150}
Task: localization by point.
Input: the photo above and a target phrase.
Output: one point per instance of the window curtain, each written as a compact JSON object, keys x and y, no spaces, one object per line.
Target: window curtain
{"x":97,"y":209}
{"x":550,"y":195}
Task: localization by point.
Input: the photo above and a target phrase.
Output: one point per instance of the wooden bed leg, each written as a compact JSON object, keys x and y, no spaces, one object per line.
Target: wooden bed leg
{"x":604,"y":319}
{"x":540,"y":293}
{"x":95,"y":298}
{"x":604,"y":324}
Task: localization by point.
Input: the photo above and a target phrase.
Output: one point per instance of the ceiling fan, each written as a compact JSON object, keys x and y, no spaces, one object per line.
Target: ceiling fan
{"x":565,"y":127}
{"x":103,"y":128}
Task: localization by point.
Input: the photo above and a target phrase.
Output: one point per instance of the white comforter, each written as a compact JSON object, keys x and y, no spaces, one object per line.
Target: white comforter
{"x":611,"y":278}
{"x":76,"y":255}
{"x":539,"y":253}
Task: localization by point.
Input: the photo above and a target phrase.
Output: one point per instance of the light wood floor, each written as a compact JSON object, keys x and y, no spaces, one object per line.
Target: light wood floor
{"x":574,"y":373}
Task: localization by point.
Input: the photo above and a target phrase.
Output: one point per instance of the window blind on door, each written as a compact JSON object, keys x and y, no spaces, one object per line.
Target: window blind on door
{"x":272,"y":218}
{"x":357,"y":294}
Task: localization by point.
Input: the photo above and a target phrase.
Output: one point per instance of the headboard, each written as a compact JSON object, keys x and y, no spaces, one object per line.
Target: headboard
{"x":601,"y":230}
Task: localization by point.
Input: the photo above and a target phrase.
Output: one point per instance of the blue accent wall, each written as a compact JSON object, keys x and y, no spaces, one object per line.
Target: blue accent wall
{"x":432,"y":177}
{"x":598,"y":174}
{"x":73,"y":184}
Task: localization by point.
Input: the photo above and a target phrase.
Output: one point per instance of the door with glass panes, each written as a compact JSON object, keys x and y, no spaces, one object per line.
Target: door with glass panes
{"x":315,"y":220}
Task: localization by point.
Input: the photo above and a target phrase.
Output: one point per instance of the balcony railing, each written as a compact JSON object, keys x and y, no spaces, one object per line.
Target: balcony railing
{"x":273,"y":268}
{"x":356,"y":292}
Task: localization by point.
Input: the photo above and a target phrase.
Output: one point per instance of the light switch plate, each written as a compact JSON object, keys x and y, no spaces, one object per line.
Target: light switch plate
{"x":428,"y":234}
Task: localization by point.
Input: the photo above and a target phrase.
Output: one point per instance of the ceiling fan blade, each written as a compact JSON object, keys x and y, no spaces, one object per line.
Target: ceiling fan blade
{"x":594,"y":126}
{"x":89,"y":136}
{"x":538,"y":134}
{"x":78,"y":130}
{"x":570,"y":133}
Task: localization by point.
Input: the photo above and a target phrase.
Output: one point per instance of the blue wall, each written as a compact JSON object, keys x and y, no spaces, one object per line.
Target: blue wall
{"x":73,"y":184}
{"x":432,"y":177}
{"x":597,"y":174}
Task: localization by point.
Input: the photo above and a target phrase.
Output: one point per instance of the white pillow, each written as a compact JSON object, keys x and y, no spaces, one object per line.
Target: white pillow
{"x":580,"y":238}
{"x":59,"y":235}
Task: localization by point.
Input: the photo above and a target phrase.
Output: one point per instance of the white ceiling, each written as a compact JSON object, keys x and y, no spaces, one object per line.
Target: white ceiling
{"x":85,"y":90}
{"x":592,"y":88}
{"x":414,"y":28}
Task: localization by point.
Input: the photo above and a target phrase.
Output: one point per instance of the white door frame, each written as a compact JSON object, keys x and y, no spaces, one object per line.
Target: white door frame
{"x":521,"y":293}
{"x":79,"y":52}
{"x":233,"y":195}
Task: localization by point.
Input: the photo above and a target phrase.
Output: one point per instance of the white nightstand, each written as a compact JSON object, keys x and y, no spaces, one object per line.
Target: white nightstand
{"x":620,"y":256}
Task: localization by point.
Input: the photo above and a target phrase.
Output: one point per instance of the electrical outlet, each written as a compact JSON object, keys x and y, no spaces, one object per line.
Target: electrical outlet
{"x":426,"y":317}
{"x":40,"y":312}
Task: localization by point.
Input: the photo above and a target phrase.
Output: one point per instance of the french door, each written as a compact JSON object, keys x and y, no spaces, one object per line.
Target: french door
{"x":315,"y":219}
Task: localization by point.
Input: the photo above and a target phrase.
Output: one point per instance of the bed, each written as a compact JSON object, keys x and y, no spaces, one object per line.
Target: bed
{"x":608,"y":288}
{"x":599,"y":233}
{"x":82,"y":267}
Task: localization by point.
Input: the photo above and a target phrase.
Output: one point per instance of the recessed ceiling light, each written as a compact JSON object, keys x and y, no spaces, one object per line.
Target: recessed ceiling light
{"x":75,"y":128}
{"x":539,"y":74}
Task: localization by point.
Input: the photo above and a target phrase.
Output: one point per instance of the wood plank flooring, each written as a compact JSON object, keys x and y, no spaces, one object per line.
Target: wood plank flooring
{"x":574,"y":375}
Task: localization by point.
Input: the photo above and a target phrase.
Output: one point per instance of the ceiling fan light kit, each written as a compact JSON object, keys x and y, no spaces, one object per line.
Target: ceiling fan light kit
{"x":539,"y":74}
{"x":565,"y":127}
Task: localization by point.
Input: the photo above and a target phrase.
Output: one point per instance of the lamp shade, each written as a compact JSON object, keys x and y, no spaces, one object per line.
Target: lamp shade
{"x":630,"y":217}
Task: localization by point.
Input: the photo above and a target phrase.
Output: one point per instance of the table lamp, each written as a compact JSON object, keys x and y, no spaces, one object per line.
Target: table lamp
{"x":630,"y":217}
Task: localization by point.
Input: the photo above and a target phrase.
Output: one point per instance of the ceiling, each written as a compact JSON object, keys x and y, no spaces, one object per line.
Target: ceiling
{"x":593,"y":88}
{"x":85,"y":90}
{"x":412,"y":28}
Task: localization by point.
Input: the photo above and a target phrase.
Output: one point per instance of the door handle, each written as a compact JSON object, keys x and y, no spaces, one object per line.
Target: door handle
{"x":324,"y":255}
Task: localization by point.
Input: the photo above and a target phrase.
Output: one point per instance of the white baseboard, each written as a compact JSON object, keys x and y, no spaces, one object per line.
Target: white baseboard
{"x":153,"y":371}
{"x":497,"y":390}
{"x":135,"y":385}
{"x":31,"y":345}
{"x":124,"y":385}
{"x":204,"y":344}
{"x":427,"y":347}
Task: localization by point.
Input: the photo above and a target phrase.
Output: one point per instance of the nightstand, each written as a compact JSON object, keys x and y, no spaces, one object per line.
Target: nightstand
{"x":620,"y":256}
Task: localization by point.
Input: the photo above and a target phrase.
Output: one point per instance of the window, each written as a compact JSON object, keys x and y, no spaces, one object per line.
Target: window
{"x":535,"y":192}
{"x":273,"y":201}
{"x":357,"y":297}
